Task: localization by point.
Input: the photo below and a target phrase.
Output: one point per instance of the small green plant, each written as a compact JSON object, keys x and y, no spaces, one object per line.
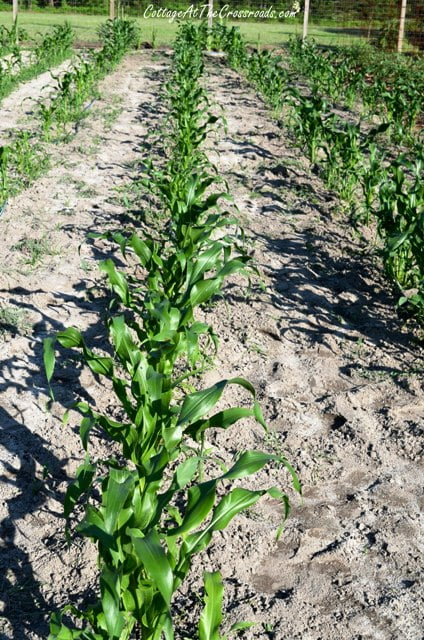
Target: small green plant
{"x":34,"y":249}
{"x":14,"y":320}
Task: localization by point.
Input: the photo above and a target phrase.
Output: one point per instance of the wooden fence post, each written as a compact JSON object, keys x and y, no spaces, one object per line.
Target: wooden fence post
{"x":305,"y":19}
{"x":15,"y":8}
{"x":210,"y":13}
{"x":111,"y":9}
{"x":401,"y":26}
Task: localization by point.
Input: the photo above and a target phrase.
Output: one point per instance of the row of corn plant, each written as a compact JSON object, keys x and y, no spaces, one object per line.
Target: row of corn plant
{"x":54,"y":47}
{"x":25,"y":157}
{"x":76,"y":86}
{"x":157,"y":501}
{"x":352,"y":164}
{"x":390,"y":88}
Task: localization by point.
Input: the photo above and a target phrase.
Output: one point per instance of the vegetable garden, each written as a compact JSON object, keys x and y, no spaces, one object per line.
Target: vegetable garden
{"x":213,"y":304}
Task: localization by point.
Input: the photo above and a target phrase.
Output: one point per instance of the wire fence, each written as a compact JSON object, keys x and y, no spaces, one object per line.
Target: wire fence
{"x":377,"y":21}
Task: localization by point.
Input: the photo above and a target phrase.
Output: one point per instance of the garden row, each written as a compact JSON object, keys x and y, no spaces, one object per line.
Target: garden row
{"x":25,"y":157}
{"x":50,"y":51}
{"x":374,"y":185}
{"x":380,"y":85}
{"x":160,"y":498}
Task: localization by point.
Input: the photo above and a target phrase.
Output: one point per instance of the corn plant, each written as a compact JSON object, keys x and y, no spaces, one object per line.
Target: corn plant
{"x":24,"y":158}
{"x":11,"y":38}
{"x":400,"y":218}
{"x":373,"y":173}
{"x":344,"y":166}
{"x":230,"y":41}
{"x":54,"y":45}
{"x":311,"y":119}
{"x":264,"y":70}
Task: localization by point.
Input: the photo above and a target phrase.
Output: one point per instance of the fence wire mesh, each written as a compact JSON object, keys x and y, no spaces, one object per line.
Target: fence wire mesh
{"x":376,"y":21}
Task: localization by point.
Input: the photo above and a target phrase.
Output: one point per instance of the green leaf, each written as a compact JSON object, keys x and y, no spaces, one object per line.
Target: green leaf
{"x":197,"y":404}
{"x":204,"y":290}
{"x":82,"y":483}
{"x":100,"y":365}
{"x":185,"y":472}
{"x":49,"y":357}
{"x":93,"y":527}
{"x":250,"y":462}
{"x":211,"y":616}
{"x":151,"y":554}
{"x":221,"y":420}
{"x":237,"y":500}
{"x":201,"y":499}
{"x":85,"y":428}
{"x":110,"y":596}
{"x":239,"y":626}
{"x":142,"y":250}
{"x":119,"y":486}
{"x":69,"y":338}
{"x":117,"y":281}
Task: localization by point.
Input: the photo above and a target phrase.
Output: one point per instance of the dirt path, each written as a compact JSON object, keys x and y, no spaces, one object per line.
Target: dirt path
{"x":320,"y":343}
{"x":336,"y":378}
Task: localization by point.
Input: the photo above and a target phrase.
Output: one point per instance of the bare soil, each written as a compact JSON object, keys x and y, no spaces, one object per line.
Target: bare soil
{"x":339,"y":379}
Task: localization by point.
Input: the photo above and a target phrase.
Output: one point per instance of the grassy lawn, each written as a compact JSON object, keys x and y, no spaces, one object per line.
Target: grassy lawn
{"x":85,"y":26}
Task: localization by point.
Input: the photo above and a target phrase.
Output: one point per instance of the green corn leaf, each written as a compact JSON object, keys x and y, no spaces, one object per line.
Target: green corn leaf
{"x":204,"y":290}
{"x":185,"y":472}
{"x":233,"y":266}
{"x":152,"y":556}
{"x":120,"y":485}
{"x":211,"y":616}
{"x":205,"y":261}
{"x":142,"y":249}
{"x":59,"y":631}
{"x":230,"y":506}
{"x":117,"y":281}
{"x":201,"y":499}
{"x":197,"y":404}
{"x":221,"y":420}
{"x":100,"y":365}
{"x":69,"y":338}
{"x":49,"y":357}
{"x":110,"y":596}
{"x":250,"y":462}
{"x":240,"y":626}
{"x":237,"y":500}
{"x":82,"y":484}
{"x":124,"y":344}
{"x":85,"y":428}
{"x":93,"y":527}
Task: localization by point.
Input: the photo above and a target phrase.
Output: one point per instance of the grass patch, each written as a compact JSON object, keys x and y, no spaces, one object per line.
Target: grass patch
{"x":34,"y":250}
{"x":161,"y":32}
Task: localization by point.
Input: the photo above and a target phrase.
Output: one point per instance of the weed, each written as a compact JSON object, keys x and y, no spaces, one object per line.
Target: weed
{"x":14,"y":320}
{"x":34,"y":250}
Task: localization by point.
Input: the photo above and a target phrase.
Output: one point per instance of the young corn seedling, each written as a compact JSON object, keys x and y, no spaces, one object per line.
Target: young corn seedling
{"x":310,"y":120}
{"x":373,"y":173}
